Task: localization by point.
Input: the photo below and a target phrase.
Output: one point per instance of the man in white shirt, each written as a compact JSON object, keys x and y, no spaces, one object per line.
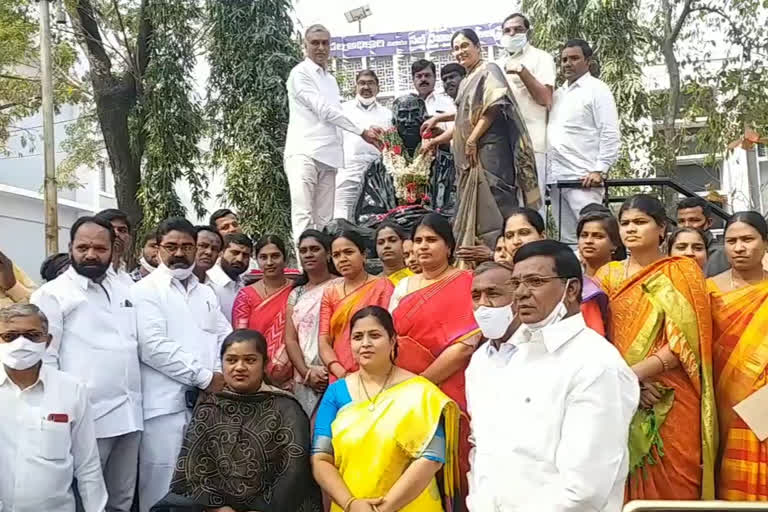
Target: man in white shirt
{"x":531,"y":76}
{"x":93,"y":329}
{"x":551,"y":400}
{"x":313,"y":145}
{"x":47,"y":435}
{"x":424,"y":75}
{"x":123,"y":242}
{"x":180,"y":330}
{"x":209,"y":244}
{"x":583,"y":137}
{"x":364,"y":110}
{"x":224,"y":276}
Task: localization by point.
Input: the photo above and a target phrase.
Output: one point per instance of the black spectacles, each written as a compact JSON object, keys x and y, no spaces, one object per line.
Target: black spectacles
{"x":12,"y":335}
{"x":532,"y":282}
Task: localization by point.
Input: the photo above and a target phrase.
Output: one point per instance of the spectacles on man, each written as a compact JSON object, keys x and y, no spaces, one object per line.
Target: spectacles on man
{"x":9,"y":336}
{"x":532,"y":282}
{"x":173,"y":248}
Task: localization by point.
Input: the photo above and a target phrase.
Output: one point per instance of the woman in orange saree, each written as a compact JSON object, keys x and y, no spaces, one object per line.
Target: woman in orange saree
{"x":740,"y":314}
{"x":661,"y":324}
{"x":436,"y":328}
{"x":342,"y":298}
{"x":261,"y":307}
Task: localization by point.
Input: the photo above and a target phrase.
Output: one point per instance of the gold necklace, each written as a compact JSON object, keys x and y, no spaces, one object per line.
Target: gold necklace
{"x":372,"y":405}
{"x":733,"y":283}
{"x":344,"y":285}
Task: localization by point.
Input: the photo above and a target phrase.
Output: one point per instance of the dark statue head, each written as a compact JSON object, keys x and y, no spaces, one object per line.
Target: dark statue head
{"x":410,"y":112}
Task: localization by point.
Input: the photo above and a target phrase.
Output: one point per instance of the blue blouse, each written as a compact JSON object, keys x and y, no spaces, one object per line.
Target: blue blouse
{"x":335,"y":398}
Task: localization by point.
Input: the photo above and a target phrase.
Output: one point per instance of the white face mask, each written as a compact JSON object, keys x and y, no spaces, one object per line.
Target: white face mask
{"x":366,"y":102}
{"x":22,"y":353}
{"x":181,"y":273}
{"x":494,"y":322}
{"x":146,"y":265}
{"x":514,"y":44}
{"x":558,"y":313}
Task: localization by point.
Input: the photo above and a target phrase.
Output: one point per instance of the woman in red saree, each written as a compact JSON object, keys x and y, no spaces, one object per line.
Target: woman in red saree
{"x":740,"y":313}
{"x":342,"y":298}
{"x":436,"y":329}
{"x":662,"y":326}
{"x":261,"y":307}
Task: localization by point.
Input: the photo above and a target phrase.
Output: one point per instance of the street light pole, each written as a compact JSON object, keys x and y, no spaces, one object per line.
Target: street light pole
{"x":50,"y":193}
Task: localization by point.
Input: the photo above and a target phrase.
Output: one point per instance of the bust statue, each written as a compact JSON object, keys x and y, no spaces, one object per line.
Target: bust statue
{"x":409,"y":113}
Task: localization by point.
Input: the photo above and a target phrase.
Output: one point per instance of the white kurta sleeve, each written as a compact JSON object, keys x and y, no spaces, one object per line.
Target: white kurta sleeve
{"x":303,"y":88}
{"x":607,"y":126}
{"x":159,"y":351}
{"x":85,"y":457}
{"x":50,"y":306}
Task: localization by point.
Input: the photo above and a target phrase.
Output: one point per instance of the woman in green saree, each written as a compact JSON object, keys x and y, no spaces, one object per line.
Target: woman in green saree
{"x":493,"y":152}
{"x":247,"y":448}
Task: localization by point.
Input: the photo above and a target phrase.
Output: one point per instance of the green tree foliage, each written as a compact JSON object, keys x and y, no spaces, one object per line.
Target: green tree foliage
{"x":168,"y":116}
{"x":612,"y":29}
{"x":252,"y":50}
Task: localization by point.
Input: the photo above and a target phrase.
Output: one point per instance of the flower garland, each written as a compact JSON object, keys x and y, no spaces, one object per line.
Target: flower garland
{"x":410,"y":174}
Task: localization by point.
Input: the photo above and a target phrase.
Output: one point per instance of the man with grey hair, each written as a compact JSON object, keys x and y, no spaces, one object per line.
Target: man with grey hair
{"x":313,"y":144}
{"x":47,"y":433}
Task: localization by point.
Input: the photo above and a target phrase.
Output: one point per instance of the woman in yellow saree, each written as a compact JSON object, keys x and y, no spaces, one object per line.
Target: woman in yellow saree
{"x":740,"y":314}
{"x":342,"y":298}
{"x":389,"y":248}
{"x":660,"y":322}
{"x":383,"y":433}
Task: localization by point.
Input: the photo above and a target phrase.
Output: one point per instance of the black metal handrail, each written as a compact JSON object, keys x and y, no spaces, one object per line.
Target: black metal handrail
{"x":638,"y":182}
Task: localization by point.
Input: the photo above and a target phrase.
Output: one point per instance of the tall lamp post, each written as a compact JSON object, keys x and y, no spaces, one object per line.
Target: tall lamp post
{"x":46,"y":72}
{"x":358,"y":15}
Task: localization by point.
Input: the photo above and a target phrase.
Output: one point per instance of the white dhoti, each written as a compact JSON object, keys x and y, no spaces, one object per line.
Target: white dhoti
{"x":160,"y":446}
{"x":312,"y":185}
{"x":119,"y":462}
{"x":349,"y":184}
{"x":566,"y":205}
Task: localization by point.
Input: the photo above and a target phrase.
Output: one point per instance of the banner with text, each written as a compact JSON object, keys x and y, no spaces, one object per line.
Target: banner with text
{"x":417,"y":41}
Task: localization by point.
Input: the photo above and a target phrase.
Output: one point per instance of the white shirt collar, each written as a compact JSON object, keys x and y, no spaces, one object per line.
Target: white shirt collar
{"x":41,"y":377}
{"x":219,"y":277}
{"x":81,"y":281}
{"x":554,"y":336}
{"x":314,"y":65}
{"x":582,"y":81}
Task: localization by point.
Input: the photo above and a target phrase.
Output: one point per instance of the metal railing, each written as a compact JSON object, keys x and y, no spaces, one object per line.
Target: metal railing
{"x":643,"y":182}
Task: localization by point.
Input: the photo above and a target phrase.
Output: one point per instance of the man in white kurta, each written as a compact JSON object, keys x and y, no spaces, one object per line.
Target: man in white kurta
{"x":551,"y":400}
{"x":47,"y":436}
{"x":93,"y":326}
{"x":424,"y":76}
{"x":313,"y":144}
{"x":180,"y":329}
{"x":364,"y":110}
{"x":225,"y":277}
{"x":583,"y":137}
{"x":531,"y":76}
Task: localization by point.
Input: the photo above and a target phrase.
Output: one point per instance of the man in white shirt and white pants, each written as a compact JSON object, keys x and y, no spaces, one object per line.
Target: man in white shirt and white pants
{"x":550,"y":399}
{"x":313,"y":144}
{"x":93,"y":329}
{"x":47,"y":435}
{"x":531,"y":76}
{"x":364,"y":110}
{"x":180,"y":329}
{"x":583,"y":136}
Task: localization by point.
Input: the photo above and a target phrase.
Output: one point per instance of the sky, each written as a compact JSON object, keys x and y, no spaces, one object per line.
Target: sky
{"x":400,"y":15}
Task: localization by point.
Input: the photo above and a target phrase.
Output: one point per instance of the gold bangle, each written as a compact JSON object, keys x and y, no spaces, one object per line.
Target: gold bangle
{"x":350,"y":501}
{"x":664,"y":365}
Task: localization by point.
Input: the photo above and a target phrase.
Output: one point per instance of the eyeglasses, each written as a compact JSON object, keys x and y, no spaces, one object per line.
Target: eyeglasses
{"x":12,"y":335}
{"x":532,"y":282}
{"x":173,"y":248}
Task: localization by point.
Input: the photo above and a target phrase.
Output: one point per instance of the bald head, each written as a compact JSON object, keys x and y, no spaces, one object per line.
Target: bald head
{"x":317,"y":43}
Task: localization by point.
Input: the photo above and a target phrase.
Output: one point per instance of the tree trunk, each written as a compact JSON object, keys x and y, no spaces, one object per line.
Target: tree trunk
{"x":672,"y":109}
{"x":113,"y":107}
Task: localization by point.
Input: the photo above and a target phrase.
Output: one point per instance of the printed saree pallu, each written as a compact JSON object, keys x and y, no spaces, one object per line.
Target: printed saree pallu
{"x":267,"y":316}
{"x":336,"y":312}
{"x":372,"y":449}
{"x":740,"y":360}
{"x":249,"y":452}
{"x":427,"y":322}
{"x":672,"y":447}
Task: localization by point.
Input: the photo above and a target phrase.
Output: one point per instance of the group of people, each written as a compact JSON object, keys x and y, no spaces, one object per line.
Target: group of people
{"x":213,"y":377}
{"x":509,"y":132}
